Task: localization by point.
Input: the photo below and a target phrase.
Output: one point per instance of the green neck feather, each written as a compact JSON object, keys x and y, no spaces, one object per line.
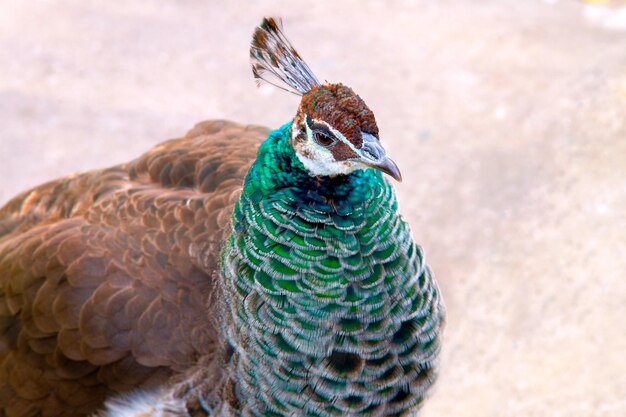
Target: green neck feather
{"x":278,"y":169}
{"x":330,"y":308}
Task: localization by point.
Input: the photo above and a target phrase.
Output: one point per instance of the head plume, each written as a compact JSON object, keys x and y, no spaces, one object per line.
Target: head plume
{"x":276,"y":62}
{"x":333,"y":132}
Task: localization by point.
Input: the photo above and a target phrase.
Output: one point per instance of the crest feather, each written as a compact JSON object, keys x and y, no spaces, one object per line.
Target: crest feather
{"x":276,"y":62}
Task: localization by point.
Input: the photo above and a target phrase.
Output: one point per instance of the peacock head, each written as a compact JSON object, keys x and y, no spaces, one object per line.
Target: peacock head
{"x":333,"y":132}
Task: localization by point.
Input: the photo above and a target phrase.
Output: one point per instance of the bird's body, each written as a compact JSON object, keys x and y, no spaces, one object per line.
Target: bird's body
{"x":105,"y":277}
{"x":164,"y":287}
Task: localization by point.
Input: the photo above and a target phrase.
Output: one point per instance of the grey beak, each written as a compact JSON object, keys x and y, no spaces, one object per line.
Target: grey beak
{"x":373,"y":155}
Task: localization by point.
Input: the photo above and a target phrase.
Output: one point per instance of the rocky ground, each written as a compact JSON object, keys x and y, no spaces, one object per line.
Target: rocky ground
{"x":506,"y":117}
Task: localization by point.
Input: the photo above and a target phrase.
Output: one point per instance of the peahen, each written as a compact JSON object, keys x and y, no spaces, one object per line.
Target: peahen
{"x":232,"y":272}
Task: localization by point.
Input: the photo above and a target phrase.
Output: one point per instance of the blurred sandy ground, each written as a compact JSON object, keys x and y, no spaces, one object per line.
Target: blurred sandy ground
{"x":507,"y":118}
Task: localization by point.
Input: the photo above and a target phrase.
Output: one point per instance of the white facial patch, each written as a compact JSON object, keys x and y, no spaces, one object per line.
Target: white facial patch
{"x":317,"y":159}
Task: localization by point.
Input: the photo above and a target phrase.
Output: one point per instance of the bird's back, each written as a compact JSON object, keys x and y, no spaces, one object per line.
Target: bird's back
{"x":105,"y":277}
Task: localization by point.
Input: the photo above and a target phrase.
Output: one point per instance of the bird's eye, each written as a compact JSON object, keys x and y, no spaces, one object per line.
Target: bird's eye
{"x":323,"y":139}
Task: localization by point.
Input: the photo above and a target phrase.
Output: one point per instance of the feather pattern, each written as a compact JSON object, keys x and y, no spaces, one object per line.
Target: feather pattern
{"x":107,"y":277}
{"x":276,"y":62}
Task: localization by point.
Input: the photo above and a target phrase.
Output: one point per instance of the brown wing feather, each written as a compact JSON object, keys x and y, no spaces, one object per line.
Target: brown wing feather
{"x":105,"y":276}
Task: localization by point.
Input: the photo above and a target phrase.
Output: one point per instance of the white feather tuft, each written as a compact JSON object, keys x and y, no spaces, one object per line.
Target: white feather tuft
{"x":143,"y":404}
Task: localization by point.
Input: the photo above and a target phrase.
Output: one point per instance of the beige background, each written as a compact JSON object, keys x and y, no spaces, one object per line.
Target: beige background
{"x":506,"y":117}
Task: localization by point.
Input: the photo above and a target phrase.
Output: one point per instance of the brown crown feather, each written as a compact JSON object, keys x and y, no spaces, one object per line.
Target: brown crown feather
{"x":339,"y":106}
